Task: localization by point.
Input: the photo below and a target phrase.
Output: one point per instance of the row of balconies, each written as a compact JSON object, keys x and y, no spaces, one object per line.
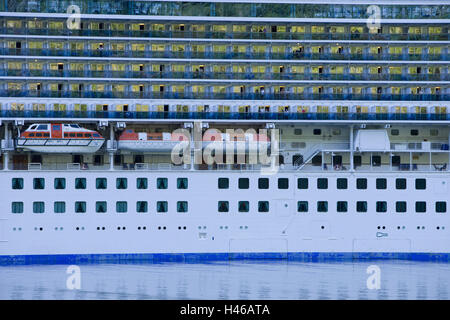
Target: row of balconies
{"x":187,"y":54}
{"x":226,"y":75}
{"x":262,"y":35}
{"x":230,"y":96}
{"x":261,"y":115}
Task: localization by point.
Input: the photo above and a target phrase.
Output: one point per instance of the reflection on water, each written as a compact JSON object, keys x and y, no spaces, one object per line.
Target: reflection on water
{"x":259,"y":280}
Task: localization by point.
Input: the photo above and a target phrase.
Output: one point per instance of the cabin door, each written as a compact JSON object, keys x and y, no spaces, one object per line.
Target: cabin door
{"x":56,"y":131}
{"x":20,"y":162}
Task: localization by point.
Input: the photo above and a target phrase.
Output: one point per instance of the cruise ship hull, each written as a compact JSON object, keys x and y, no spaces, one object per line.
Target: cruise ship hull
{"x":203,"y":233}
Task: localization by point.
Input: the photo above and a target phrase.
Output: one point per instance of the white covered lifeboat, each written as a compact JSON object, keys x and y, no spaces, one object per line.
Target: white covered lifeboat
{"x":59,"y":138}
{"x":130,"y":140}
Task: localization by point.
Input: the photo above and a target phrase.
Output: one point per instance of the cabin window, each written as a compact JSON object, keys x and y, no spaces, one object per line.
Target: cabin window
{"x":297,"y":132}
{"x":80,"y":207}
{"x":302,"y":206}
{"x":441,"y":206}
{"x":322,"y":183}
{"x":361,"y":206}
{"x":283,"y":183}
{"x":42,"y":127}
{"x":38,"y":183}
{"x":244,"y":183}
{"x":302,"y":183}
{"x":421,"y":184}
{"x":182,"y":206}
{"x":376,"y":161}
{"x":36,"y":158}
{"x":317,"y":132}
{"x":414,"y":132}
{"x":400,"y":183}
{"x":59,"y":207}
{"x":17,"y":207}
{"x":263,"y":183}
{"x":381,"y":206}
{"x":17,"y":183}
{"x":381,"y":183}
{"x":341,"y":183}
{"x":121,"y":206}
{"x":421,"y":206}
{"x":223,"y":206}
{"x":80,"y":183}
{"x":361,"y":183}
{"x":223,"y":183}
{"x":121,"y":183}
{"x":400,"y":206}
{"x":141,"y":183}
{"x":98,"y":160}
{"x":161,"y":206}
{"x":322,"y":206}
{"x":100,"y":206}
{"x":243,"y":206}
{"x":60,"y":183}
{"x":100,"y":183}
{"x":38,"y":207}
{"x":263,"y":206}
{"x":341,"y":206}
{"x":395,"y":132}
{"x":161,"y":183}
{"x":141,"y":206}
{"x":182,"y":183}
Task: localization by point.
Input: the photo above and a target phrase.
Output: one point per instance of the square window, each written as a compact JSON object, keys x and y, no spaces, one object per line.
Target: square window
{"x":60,"y":183}
{"x":182,"y":206}
{"x":141,"y":206}
{"x":283,"y":183}
{"x":381,"y":183}
{"x":244,"y":183}
{"x":263,"y":183}
{"x":361,"y":206}
{"x":381,"y":206}
{"x":263,"y":206}
{"x":322,"y":206}
{"x":441,"y":206}
{"x":141,"y":183}
{"x":162,"y":183}
{"x":80,"y":207}
{"x":421,"y":206}
{"x":121,"y":206}
{"x":400,"y":206}
{"x":161,"y":206}
{"x":341,"y":183}
{"x":80,"y":183}
{"x":302,"y":206}
{"x":400,"y":183}
{"x":121,"y":183}
{"x":17,"y":207}
{"x":243,"y":206}
{"x":317,"y":132}
{"x":17,"y":183}
{"x":414,"y":132}
{"x":322,"y":183}
{"x":361,"y":183}
{"x":223,"y":183}
{"x":421,"y":184}
{"x":100,"y":183}
{"x":101,"y":206}
{"x":59,"y":207}
{"x":38,"y":183}
{"x":38,"y":207}
{"x":182,"y":183}
{"x":223,"y":206}
{"x":302,"y":183}
{"x":341,"y":206}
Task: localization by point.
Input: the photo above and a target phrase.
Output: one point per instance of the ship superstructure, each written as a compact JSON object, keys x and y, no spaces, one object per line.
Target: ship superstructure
{"x":347,"y":101}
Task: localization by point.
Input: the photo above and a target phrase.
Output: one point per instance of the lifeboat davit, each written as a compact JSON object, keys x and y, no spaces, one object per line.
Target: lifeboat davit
{"x":59,"y":138}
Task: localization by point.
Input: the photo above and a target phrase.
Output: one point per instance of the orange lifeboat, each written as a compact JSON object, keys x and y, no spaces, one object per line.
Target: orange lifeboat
{"x":59,"y":138}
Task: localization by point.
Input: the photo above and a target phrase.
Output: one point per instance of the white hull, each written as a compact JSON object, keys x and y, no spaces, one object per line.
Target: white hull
{"x":60,"y":145}
{"x":281,"y":230}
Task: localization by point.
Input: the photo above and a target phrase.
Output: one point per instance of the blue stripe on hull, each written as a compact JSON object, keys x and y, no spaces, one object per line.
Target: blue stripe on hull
{"x":204,"y":257}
